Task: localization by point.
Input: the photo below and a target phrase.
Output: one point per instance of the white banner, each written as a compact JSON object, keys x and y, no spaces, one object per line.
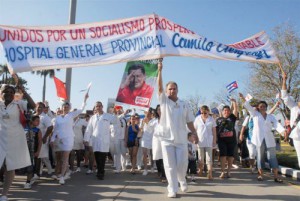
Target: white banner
{"x":139,"y":38}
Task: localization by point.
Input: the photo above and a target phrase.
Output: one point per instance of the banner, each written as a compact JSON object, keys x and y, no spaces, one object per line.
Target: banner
{"x":139,"y":38}
{"x":138,"y":83}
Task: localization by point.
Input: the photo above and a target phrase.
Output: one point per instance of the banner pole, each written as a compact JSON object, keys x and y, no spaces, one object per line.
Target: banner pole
{"x":279,"y":64}
{"x":69,"y":70}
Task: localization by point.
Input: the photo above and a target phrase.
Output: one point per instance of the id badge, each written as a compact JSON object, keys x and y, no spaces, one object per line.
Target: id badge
{"x":5,"y":116}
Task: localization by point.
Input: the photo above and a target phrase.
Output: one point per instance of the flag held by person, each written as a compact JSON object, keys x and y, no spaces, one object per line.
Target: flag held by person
{"x":232,"y":86}
{"x":61,"y":90}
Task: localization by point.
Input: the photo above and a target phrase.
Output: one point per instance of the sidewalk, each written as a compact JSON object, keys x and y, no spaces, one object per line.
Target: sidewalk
{"x":127,"y":187}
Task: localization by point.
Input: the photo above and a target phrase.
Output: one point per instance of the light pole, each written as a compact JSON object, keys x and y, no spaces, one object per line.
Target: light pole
{"x":69,"y":70}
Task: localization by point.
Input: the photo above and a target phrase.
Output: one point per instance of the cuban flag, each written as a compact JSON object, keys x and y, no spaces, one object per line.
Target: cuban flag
{"x":232,"y":86}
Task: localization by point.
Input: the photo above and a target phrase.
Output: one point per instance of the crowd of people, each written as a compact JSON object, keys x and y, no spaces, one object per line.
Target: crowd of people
{"x":169,"y":138}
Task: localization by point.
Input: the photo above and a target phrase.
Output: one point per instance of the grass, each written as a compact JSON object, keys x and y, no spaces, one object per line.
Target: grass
{"x":287,"y":156}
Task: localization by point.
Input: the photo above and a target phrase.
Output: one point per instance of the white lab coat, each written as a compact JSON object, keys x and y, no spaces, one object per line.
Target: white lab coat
{"x":205,"y":131}
{"x":13,"y":144}
{"x":293,"y":106}
{"x":78,"y":138}
{"x":156,"y":143}
{"x":98,"y":131}
{"x":45,"y":122}
{"x":262,"y":128}
{"x":63,"y":130}
{"x":147,"y":136}
{"x":173,"y":120}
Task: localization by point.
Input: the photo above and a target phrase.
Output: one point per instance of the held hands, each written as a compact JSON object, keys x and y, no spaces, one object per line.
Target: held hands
{"x":160,"y":65}
{"x":284,"y":76}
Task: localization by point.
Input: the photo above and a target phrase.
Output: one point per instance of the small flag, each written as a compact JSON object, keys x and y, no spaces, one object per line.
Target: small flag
{"x":232,"y":86}
{"x":61,"y":90}
{"x":228,"y":98}
{"x":248,"y":97}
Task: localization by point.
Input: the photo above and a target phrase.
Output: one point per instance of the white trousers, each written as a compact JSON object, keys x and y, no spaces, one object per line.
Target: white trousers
{"x":119,"y":154}
{"x":297,"y":147}
{"x":175,"y":157}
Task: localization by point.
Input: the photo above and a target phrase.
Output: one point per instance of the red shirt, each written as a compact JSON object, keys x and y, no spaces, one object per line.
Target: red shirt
{"x":139,"y":97}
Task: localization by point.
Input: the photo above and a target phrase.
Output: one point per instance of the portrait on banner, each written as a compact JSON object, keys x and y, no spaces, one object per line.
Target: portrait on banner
{"x":138,"y":83}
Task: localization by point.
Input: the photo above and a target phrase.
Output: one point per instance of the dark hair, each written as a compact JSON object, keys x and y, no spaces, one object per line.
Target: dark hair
{"x":7,"y":86}
{"x":190,"y":134}
{"x":34,"y":117}
{"x":156,"y":109}
{"x":262,"y":102}
{"x":226,"y":107}
{"x":136,"y":67}
{"x":41,"y":104}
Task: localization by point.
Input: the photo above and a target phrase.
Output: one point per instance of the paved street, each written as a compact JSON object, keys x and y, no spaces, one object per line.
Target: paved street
{"x":242,"y":186}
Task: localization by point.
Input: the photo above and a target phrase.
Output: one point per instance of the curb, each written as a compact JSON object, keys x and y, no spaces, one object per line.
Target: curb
{"x":287,"y":171}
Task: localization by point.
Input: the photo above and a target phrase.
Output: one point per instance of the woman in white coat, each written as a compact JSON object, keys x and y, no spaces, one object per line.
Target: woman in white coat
{"x":205,"y":126}
{"x":78,"y":148}
{"x":98,"y":131}
{"x":263,"y":137}
{"x":13,"y":146}
{"x":295,"y":112}
{"x":156,"y":147}
{"x":147,"y":130}
{"x":63,"y":133}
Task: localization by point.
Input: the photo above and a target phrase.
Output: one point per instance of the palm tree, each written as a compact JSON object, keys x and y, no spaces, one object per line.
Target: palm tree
{"x":4,"y":72}
{"x":44,"y":74}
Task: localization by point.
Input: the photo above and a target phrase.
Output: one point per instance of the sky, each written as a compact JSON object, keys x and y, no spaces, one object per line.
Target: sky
{"x":225,"y":21}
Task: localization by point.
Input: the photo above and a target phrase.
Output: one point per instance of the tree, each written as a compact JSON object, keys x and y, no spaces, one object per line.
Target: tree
{"x":7,"y":78}
{"x":44,"y":74}
{"x":266,"y":80}
{"x":194,"y":102}
{"x":4,"y":72}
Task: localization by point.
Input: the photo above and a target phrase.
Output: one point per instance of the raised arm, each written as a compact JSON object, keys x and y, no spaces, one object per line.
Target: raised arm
{"x":159,"y":78}
{"x":272,"y":110}
{"x":247,"y":106}
{"x":284,"y":95}
{"x":235,"y":107}
{"x":284,"y":78}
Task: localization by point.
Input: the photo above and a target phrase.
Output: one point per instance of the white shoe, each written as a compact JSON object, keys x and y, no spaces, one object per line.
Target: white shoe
{"x":66,"y":177}
{"x":171,"y":195}
{"x":27,"y":186}
{"x":145,"y":172}
{"x":78,"y":169}
{"x":234,"y":166}
{"x":139,"y":167}
{"x":89,"y":172}
{"x":3,"y":198}
{"x":152,"y":170}
{"x":35,"y":177}
{"x":184,"y":187}
{"x":117,"y":171}
{"x":61,"y":181}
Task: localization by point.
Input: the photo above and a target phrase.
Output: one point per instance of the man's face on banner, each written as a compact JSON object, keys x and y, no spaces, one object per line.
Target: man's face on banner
{"x":137,"y":78}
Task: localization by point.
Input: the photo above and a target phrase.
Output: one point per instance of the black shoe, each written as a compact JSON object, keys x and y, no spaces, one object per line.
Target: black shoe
{"x":100,"y":177}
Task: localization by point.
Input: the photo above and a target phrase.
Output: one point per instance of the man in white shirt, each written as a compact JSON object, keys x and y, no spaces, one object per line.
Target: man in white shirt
{"x":98,"y":131}
{"x":176,"y":116}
